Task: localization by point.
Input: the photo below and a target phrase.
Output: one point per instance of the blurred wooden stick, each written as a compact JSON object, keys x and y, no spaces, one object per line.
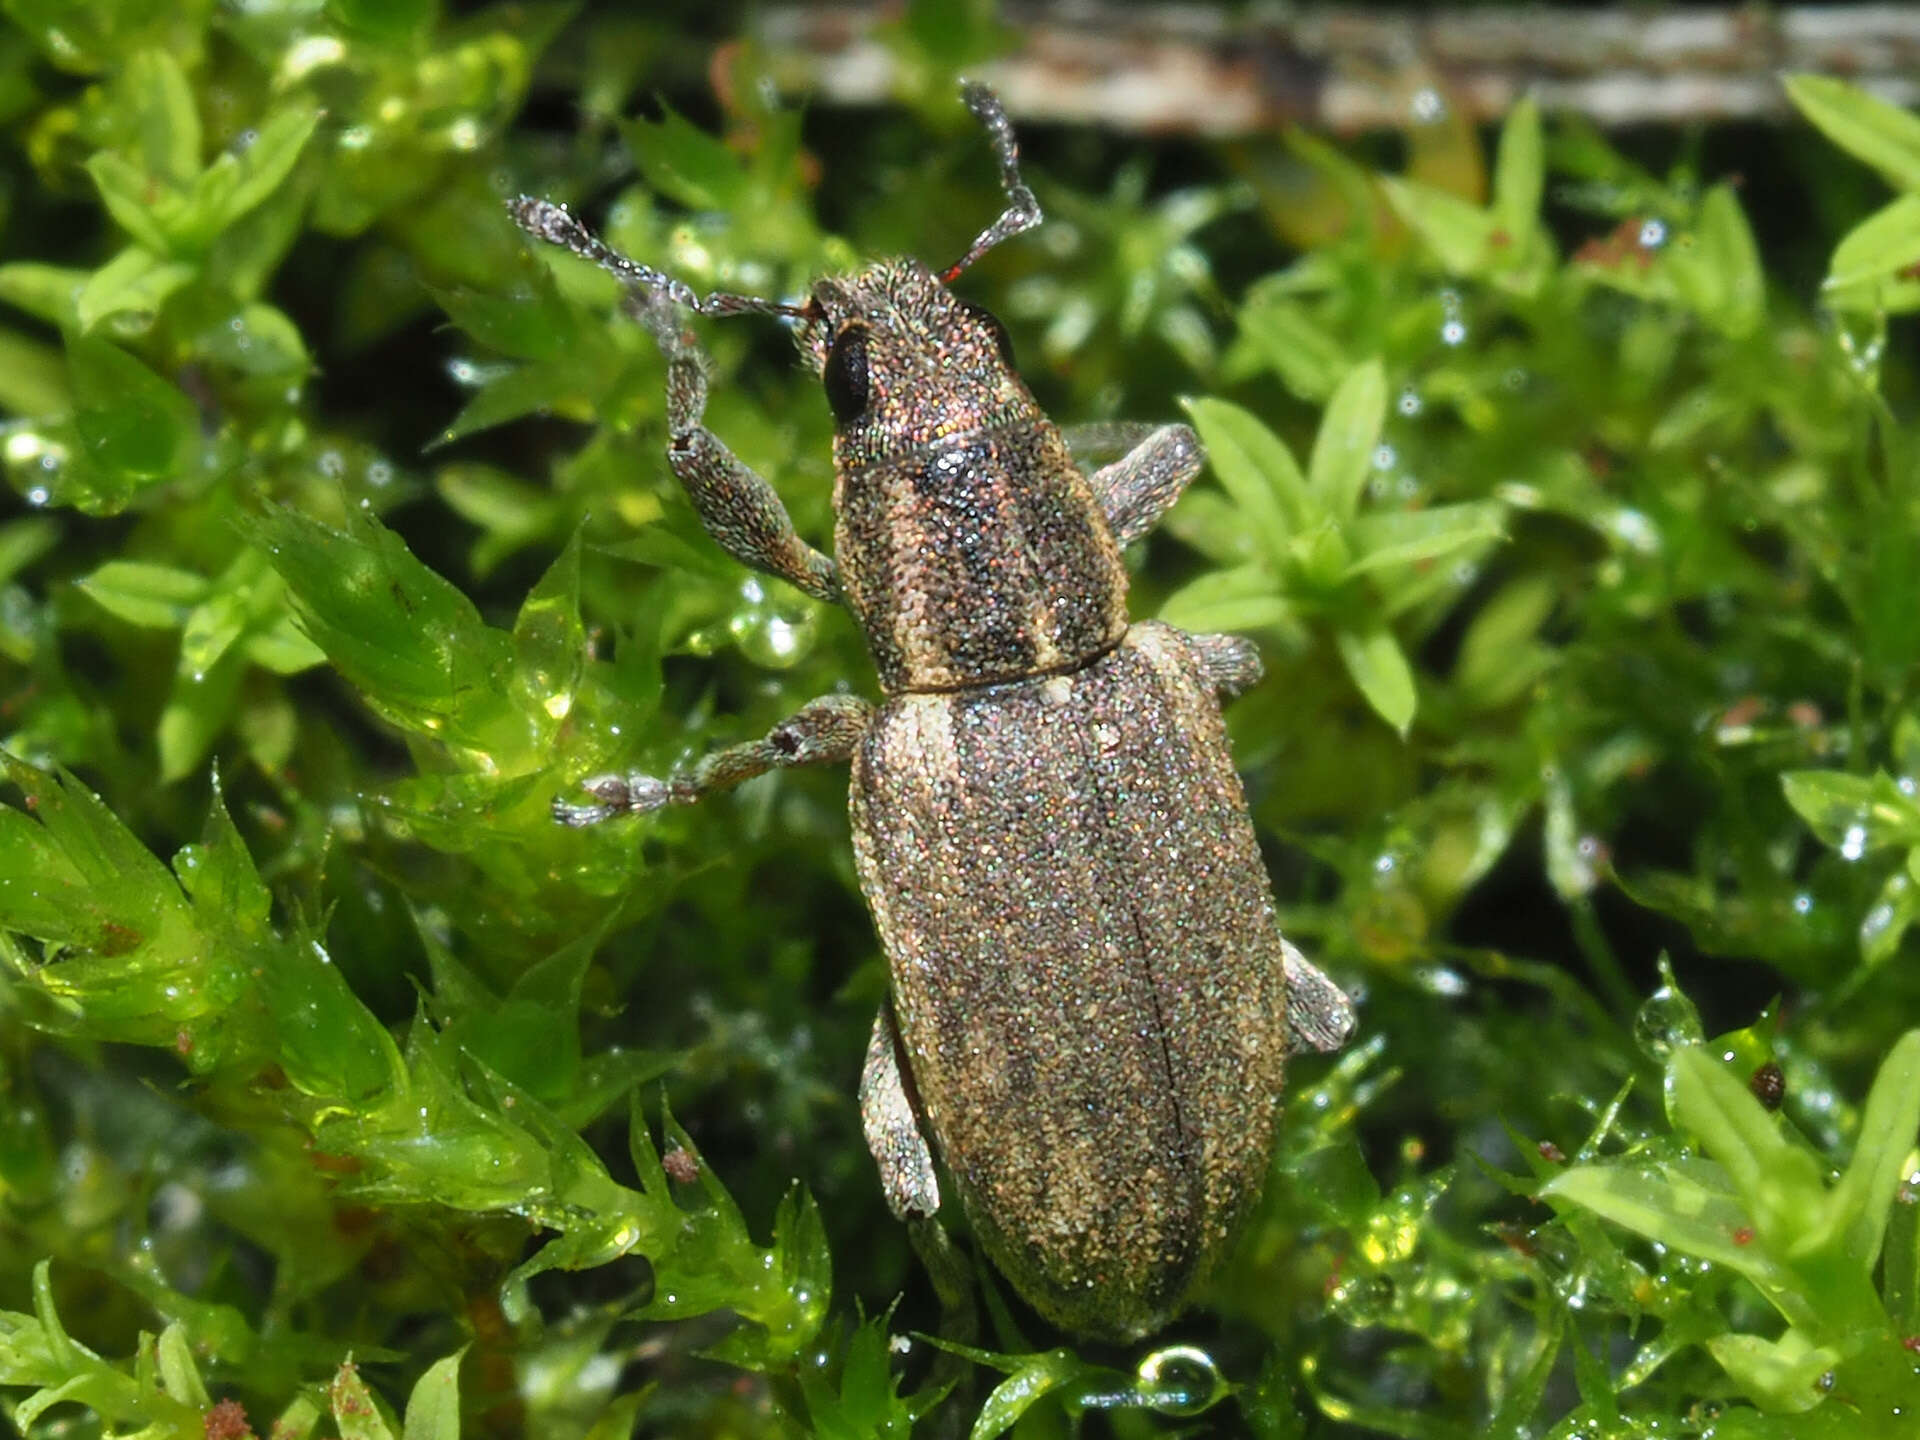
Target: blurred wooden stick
{"x":1199,"y":70}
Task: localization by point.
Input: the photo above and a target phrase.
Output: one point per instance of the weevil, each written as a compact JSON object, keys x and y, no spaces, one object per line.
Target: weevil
{"x":1091,"y":1004}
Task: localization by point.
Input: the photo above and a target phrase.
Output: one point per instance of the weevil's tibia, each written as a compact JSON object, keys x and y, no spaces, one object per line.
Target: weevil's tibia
{"x":1023,"y":211}
{"x":1319,"y":1014}
{"x":892,"y":1126}
{"x":739,"y":509}
{"x":821,"y":732}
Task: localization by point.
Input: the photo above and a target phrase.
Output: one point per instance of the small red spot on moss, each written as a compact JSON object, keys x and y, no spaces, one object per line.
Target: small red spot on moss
{"x":118,"y":939}
{"x":228,"y":1421}
{"x":680,"y":1165}
{"x":1743,"y":1236}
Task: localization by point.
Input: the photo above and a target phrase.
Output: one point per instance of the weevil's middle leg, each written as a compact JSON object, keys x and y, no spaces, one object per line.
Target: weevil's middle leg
{"x":1137,"y":489}
{"x":819,"y":733}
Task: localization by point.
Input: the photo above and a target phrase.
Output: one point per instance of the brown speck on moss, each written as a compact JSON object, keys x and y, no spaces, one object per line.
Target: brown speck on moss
{"x":228,"y":1421}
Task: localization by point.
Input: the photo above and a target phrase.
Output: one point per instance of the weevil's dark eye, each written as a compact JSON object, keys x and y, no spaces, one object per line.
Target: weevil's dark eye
{"x":1002,"y":341}
{"x":845,"y":375}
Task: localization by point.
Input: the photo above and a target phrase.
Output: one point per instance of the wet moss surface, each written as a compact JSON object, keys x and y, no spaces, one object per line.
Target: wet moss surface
{"x":1566,"y":487}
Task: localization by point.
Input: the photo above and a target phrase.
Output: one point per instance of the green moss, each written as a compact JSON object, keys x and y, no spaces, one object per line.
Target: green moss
{"x":1580,"y":530}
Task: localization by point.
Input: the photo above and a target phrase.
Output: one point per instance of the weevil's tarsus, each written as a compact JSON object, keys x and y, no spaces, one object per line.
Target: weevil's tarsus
{"x":556,"y":225}
{"x":821,"y":732}
{"x":633,"y":794}
{"x":1319,"y":1014}
{"x":1138,"y":488}
{"x":952,"y":1275}
{"x":1023,"y":211}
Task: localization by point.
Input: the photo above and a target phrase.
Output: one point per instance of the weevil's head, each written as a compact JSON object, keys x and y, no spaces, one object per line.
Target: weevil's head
{"x":905,"y":362}
{"x":970,"y":548}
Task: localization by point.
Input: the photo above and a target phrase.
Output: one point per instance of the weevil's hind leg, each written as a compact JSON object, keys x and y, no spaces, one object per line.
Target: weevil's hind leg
{"x":818,"y":733}
{"x":1137,"y":489}
{"x":1319,"y":1014}
{"x":891,"y":1120}
{"x":892,"y":1125}
{"x":1229,"y":663}
{"x":741,"y":511}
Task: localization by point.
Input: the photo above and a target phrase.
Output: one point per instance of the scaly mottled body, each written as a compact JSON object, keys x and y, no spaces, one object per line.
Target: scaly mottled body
{"x":1091,"y":1002}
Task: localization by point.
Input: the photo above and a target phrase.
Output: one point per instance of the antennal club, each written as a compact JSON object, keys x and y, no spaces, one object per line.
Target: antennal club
{"x":556,"y":225}
{"x":1023,"y":211}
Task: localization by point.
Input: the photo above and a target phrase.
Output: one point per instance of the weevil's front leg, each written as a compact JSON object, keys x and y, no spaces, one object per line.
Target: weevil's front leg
{"x":1229,"y":663}
{"x":818,"y":733}
{"x":1136,"y":489}
{"x":1319,"y":1014}
{"x":741,"y":511}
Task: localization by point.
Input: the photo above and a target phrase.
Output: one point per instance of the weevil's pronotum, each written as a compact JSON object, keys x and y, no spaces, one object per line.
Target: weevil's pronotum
{"x":1091,"y":1001}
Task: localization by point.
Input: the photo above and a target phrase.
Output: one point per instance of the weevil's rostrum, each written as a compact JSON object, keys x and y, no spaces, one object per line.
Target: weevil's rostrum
{"x":1091,"y":1001}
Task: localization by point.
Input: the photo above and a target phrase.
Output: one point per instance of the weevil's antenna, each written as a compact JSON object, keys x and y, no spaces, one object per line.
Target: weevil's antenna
{"x":554,"y":224}
{"x":1023,"y":211}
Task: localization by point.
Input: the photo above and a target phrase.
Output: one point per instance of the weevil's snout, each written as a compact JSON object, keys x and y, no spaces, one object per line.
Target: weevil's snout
{"x":905,"y":362}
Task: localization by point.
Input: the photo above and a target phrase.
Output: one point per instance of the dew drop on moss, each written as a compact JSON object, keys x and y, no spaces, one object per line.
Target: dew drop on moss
{"x":1665,"y":1023}
{"x":769,"y":633}
{"x":1181,"y":1380}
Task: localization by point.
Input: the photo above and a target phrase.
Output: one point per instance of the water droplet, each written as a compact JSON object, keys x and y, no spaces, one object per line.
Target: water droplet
{"x":1803,"y":904}
{"x":1383,"y":456}
{"x":1854,"y":843}
{"x":766,"y":632}
{"x":1636,"y":530}
{"x":1653,"y":234}
{"x":1427,"y":106}
{"x":1665,"y":1023}
{"x":1409,"y":402}
{"x":1452,"y":333}
{"x":1877,"y":922}
{"x":1181,"y":1380}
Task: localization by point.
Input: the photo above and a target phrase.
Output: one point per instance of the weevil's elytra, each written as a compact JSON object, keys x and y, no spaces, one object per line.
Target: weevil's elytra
{"x":1091,"y":1001}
